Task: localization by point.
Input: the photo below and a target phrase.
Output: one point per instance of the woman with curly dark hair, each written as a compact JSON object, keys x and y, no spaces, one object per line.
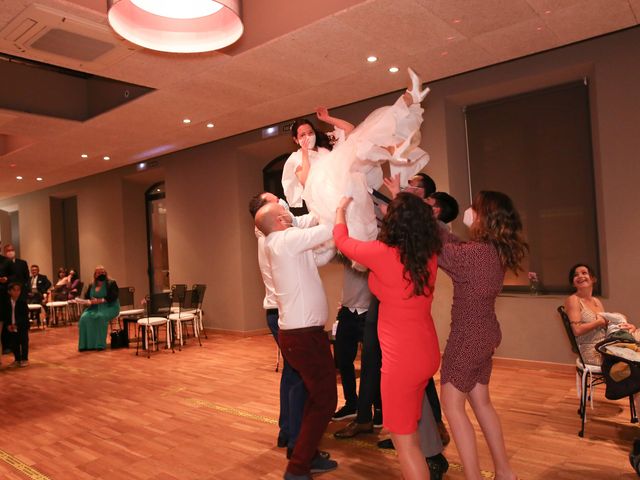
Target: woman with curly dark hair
{"x":403,"y":267}
{"x":477,"y":269}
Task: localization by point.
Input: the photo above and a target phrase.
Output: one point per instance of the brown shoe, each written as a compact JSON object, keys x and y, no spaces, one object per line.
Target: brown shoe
{"x":444,"y":435}
{"x":353,"y":428}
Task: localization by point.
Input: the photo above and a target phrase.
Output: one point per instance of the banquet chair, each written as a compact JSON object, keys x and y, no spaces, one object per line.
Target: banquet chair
{"x":187,"y":305}
{"x":199,"y":289}
{"x":128,"y":311}
{"x":587,"y":376}
{"x":158,"y":311}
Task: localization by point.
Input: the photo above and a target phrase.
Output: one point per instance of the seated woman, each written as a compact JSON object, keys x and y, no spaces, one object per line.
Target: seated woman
{"x":585,"y":313}
{"x":60,"y":291}
{"x":74,"y":283}
{"x":103,"y":297}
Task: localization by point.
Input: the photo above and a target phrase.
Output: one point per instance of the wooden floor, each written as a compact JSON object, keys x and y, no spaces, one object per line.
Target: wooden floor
{"x":210,"y":413}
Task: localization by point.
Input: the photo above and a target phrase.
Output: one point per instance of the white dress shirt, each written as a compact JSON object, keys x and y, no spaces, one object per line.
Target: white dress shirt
{"x":269,"y":302}
{"x":294,"y":267}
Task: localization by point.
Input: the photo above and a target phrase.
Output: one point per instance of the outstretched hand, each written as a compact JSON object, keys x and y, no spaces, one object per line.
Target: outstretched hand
{"x":323,"y":114}
{"x":393,"y":184}
{"x":344,"y":202}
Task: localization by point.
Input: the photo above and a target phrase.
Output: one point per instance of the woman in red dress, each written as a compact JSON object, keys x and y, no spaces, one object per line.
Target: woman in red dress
{"x":403,"y":267}
{"x":477,"y":270}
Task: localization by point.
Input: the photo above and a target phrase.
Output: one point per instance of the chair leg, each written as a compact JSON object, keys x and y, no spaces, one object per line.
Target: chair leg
{"x":632,"y":408}
{"x":583,"y":404}
{"x":139,"y":333}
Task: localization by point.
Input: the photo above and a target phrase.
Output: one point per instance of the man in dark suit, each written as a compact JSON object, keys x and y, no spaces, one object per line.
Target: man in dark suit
{"x":39,"y":285}
{"x":16,"y":319}
{"x":6,"y":277}
{"x":20,"y":269}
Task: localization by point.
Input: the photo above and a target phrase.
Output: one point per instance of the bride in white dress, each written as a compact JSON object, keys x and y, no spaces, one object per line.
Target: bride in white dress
{"x":324,"y":170}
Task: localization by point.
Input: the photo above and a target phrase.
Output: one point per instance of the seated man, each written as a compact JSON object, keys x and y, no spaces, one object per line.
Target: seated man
{"x":303,"y":312}
{"x":39,"y":285}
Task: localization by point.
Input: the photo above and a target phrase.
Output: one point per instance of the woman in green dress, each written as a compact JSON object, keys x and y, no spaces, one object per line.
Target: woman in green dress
{"x":103,"y":295}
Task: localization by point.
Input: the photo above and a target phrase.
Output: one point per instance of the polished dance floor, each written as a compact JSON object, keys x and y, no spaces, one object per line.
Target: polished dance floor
{"x":210,"y":412}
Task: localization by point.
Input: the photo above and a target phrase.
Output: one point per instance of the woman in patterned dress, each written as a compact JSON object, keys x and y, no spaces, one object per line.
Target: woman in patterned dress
{"x":477,"y":269}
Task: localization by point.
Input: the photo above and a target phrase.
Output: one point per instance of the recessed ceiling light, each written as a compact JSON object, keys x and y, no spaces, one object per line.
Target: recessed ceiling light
{"x":372,"y":58}
{"x":457,"y":20}
{"x":210,"y":125}
{"x":84,"y":155}
{"x":19,"y":177}
{"x":106,"y":157}
{"x":394,"y":69}
{"x":539,"y":28}
{"x":444,"y":53}
{"x":547,"y":12}
{"x":186,"y":121}
{"x":451,"y":37}
{"x":12,"y":165}
{"x":39,"y":179}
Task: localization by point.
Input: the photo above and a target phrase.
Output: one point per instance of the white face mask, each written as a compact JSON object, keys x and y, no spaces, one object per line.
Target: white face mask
{"x":469,"y":217}
{"x":283,"y":203}
{"x":11,"y":255}
{"x":310,"y":140}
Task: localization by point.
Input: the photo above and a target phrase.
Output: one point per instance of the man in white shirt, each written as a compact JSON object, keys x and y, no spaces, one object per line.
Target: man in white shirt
{"x":303,"y":312}
{"x":292,"y":391}
{"x":351,"y":316}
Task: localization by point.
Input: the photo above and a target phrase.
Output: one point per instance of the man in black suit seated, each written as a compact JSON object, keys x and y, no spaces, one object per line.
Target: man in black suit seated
{"x":20,"y":269}
{"x":38,"y":284}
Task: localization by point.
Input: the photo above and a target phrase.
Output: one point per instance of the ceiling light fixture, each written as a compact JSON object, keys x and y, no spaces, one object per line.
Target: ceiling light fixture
{"x":186,"y":121}
{"x":84,"y":155}
{"x":394,"y":69}
{"x":210,"y":125}
{"x":19,"y":177}
{"x":372,"y":59}
{"x":187,"y":26}
{"x":39,"y":179}
{"x":106,"y":157}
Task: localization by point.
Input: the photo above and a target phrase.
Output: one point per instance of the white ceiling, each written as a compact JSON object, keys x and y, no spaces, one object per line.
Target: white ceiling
{"x":289,"y":61}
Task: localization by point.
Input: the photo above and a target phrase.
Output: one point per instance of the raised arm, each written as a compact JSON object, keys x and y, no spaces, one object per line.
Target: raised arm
{"x":572,"y":307}
{"x":323,"y":115}
{"x":300,"y":239}
{"x":369,"y":254}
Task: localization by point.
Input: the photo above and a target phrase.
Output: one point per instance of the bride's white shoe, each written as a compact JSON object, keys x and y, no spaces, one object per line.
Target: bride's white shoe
{"x":417,"y":94}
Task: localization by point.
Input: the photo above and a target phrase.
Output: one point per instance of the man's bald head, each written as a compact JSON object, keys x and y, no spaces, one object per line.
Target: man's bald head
{"x":269,"y":218}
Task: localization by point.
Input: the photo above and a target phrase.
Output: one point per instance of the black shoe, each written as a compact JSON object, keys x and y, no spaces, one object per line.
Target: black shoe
{"x":321,"y":453}
{"x":388,"y":443}
{"x":438,"y":466}
{"x":345,"y":413}
{"x":321,"y":464}
{"x":282,"y":441}
{"x":377,"y":418}
{"x":291,"y":476}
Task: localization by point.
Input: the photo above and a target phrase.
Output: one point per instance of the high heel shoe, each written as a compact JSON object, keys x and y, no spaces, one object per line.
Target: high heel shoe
{"x":417,"y":94}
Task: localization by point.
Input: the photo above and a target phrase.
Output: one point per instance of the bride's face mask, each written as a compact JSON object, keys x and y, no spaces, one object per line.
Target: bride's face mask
{"x":306,"y":136}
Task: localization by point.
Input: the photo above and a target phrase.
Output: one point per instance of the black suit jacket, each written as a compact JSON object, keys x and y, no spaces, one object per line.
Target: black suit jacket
{"x":21,"y":272}
{"x":42,"y":284}
{"x":22,"y":313}
{"x":6,"y":270}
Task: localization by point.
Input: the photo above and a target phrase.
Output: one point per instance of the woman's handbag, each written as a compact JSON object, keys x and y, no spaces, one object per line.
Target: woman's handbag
{"x":119,"y":339}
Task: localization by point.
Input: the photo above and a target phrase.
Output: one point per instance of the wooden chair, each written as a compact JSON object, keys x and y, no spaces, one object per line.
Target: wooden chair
{"x":587,"y":376}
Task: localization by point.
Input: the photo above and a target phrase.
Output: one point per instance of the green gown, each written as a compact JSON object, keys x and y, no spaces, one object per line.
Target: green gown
{"x":94,"y":321}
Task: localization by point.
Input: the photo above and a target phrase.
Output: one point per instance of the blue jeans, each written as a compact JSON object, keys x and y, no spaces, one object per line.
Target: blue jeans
{"x":292,"y":392}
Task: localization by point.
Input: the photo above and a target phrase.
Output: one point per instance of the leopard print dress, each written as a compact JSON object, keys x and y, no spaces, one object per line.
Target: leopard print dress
{"x":477,"y":275}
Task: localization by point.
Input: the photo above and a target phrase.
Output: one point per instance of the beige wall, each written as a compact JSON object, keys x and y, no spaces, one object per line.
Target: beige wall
{"x":210,"y":233}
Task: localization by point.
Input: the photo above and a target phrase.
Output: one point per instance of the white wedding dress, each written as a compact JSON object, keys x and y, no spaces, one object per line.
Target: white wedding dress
{"x":353,"y":167}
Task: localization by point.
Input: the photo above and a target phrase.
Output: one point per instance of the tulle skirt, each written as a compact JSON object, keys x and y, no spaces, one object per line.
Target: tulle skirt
{"x":353,"y":167}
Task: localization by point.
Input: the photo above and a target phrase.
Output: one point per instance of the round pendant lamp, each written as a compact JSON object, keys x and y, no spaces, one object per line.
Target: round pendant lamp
{"x":179,"y":26}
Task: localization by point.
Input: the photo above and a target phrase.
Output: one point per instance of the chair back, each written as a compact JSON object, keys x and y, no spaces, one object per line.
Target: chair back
{"x":190,"y":300}
{"x":159,"y":304}
{"x":199,"y":289}
{"x":178,"y":291}
{"x":125,"y":296}
{"x":572,"y":338}
{"x":79,"y":288}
